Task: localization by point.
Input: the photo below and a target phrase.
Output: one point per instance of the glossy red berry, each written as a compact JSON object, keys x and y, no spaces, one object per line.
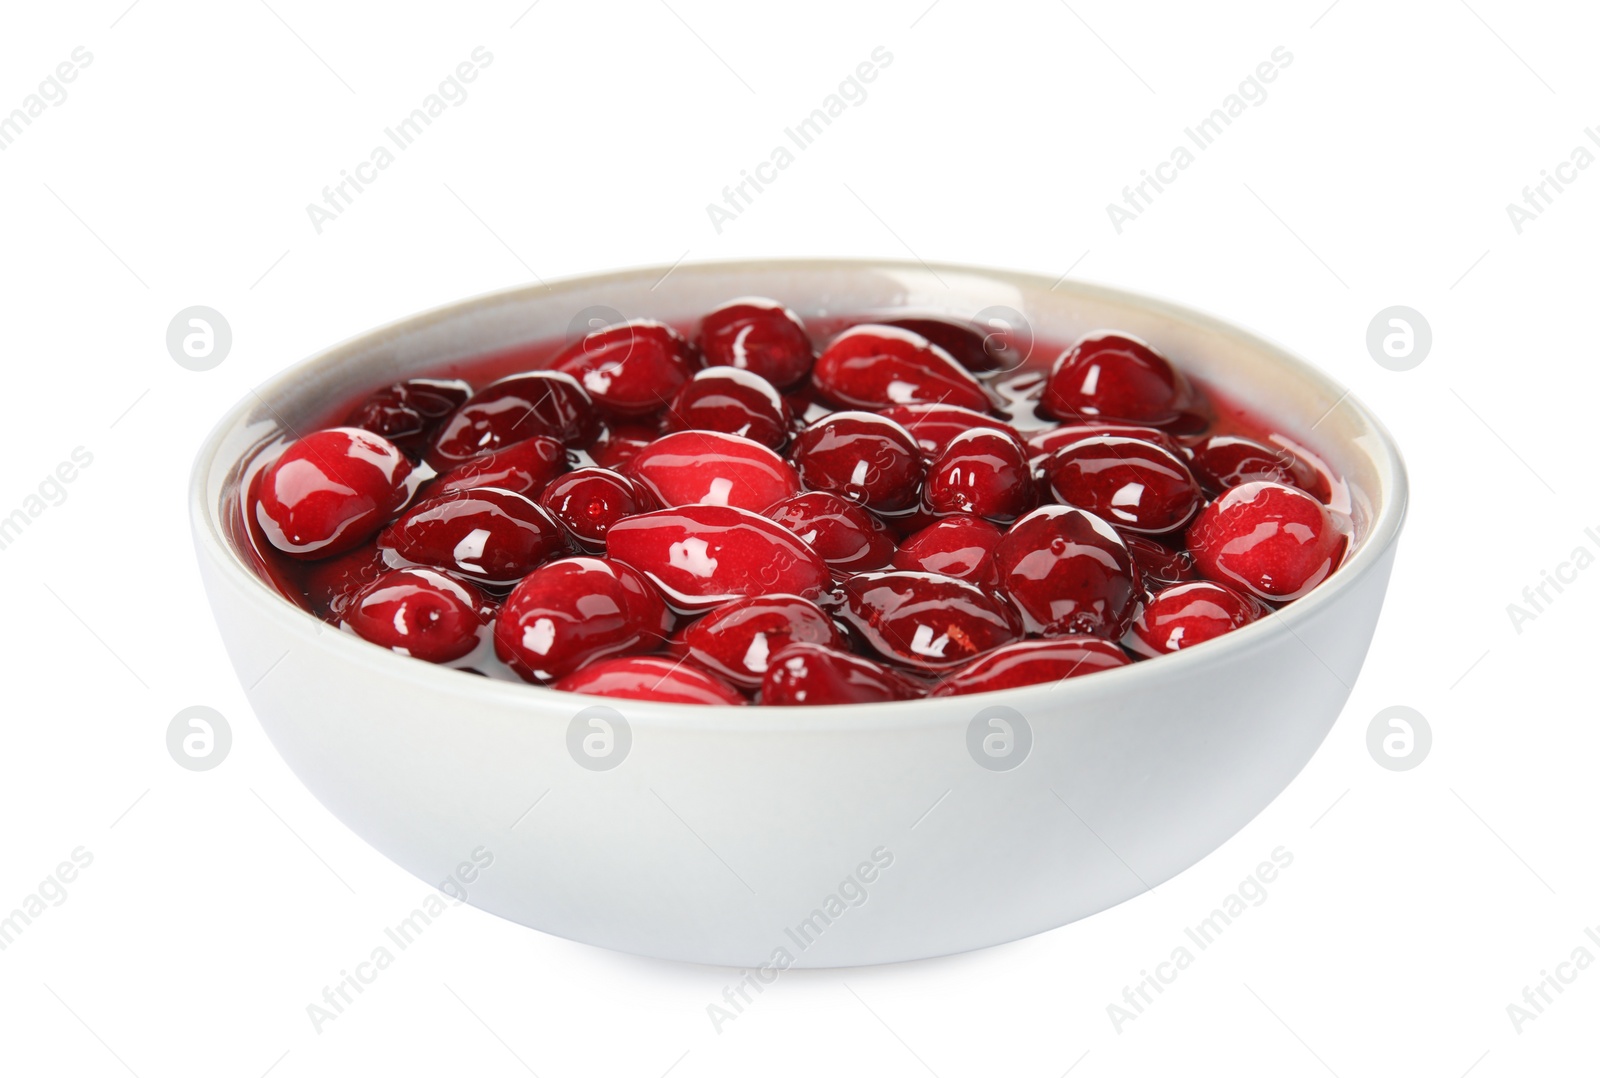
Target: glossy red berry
{"x":432,"y":398}
{"x":1133,"y":484}
{"x":958,"y":546}
{"x":925,"y":620}
{"x":701,"y":556}
{"x":846,"y":536}
{"x":873,"y":366}
{"x":1160,"y":566}
{"x":812,"y":674}
{"x":732,"y":401}
{"x":619,"y":443}
{"x":1188,"y":614}
{"x":1043,"y":443}
{"x":1191,"y":422}
{"x":487,"y":535}
{"x":804,"y":408}
{"x":407,"y":411}
{"x":329,"y":585}
{"x":932,"y":426}
{"x":967,"y":345}
{"x":422,"y":613}
{"x":1068,"y":571}
{"x":757,"y":335}
{"x":862,"y":457}
{"x":737,"y":641}
{"x":705,"y":467}
{"x":648,"y":677}
{"x":1229,"y":460}
{"x":1108,"y":376}
{"x":984,"y":473}
{"x":511,"y":410}
{"x":587,"y":501}
{"x":1274,"y":541}
{"x":524,"y":467}
{"x":1031,"y":662}
{"x":330,"y":491}
{"x":631,"y":369}
{"x":572,"y":611}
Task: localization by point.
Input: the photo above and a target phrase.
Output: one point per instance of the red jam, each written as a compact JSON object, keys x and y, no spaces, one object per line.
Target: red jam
{"x":753,"y":510}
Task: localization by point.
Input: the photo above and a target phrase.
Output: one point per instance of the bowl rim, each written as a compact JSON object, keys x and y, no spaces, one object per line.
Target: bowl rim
{"x":1384,"y":531}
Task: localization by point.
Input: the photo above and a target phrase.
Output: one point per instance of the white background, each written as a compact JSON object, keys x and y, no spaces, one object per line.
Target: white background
{"x":1377,"y":172}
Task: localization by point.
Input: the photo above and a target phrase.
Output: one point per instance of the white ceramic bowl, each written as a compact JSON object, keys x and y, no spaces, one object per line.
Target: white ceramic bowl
{"x":747,"y":836}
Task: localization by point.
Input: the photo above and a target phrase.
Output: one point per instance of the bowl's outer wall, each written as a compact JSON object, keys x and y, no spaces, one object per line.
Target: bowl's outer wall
{"x":716,"y":845}
{"x":704,"y":845}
